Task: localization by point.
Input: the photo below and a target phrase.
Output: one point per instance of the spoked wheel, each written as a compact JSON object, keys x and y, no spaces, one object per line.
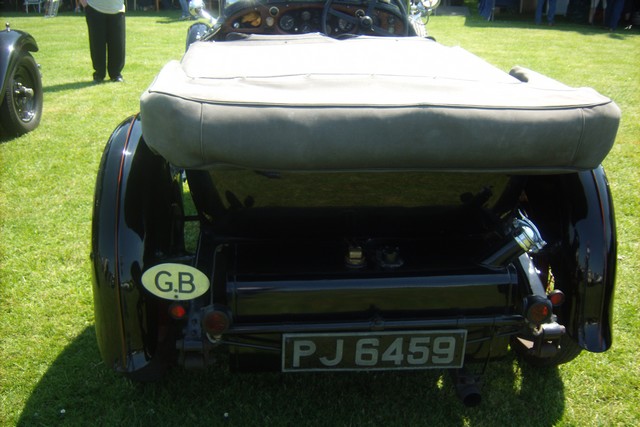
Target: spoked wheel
{"x":21,"y":108}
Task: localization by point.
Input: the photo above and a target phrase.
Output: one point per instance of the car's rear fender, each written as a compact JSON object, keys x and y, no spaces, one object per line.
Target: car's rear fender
{"x":576,"y":211}
{"x":134,"y":224}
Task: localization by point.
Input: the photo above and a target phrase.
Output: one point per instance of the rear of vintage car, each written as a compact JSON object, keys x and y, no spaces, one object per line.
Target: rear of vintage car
{"x":423,"y":212}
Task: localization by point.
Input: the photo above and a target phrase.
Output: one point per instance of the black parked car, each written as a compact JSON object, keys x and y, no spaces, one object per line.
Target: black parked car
{"x":21,"y":91}
{"x":364,"y":199}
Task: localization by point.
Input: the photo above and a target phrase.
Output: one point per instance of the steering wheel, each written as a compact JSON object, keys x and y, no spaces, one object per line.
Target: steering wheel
{"x":364,"y":21}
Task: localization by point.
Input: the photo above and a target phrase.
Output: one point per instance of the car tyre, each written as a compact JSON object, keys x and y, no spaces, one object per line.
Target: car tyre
{"x":21,"y":107}
{"x":569,"y":350}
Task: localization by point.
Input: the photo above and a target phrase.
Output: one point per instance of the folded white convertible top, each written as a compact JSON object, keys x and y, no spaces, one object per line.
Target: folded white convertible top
{"x":312,"y":103}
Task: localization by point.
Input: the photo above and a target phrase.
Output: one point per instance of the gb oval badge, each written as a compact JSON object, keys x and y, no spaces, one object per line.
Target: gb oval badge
{"x":176,"y":282}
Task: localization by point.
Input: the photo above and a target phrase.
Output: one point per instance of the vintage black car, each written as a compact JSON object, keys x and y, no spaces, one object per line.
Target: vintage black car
{"x":358,"y":197}
{"x":21,"y":90}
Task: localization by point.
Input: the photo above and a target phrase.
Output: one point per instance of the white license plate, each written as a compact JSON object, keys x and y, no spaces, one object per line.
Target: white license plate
{"x":373,"y":350}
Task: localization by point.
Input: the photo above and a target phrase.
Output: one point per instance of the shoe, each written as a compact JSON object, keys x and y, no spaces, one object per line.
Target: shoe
{"x":97,"y":81}
{"x":118,"y":79}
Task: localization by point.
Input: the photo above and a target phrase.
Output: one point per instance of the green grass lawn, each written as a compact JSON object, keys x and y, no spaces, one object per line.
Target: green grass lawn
{"x":50,"y":370}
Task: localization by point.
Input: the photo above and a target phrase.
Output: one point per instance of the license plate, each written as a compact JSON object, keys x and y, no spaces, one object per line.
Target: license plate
{"x":373,"y":351}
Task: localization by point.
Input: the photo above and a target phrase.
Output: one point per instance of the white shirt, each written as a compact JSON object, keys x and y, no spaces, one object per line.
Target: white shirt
{"x":107,"y":6}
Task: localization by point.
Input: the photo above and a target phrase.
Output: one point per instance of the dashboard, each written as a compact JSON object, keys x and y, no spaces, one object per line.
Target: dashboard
{"x":377,"y":17}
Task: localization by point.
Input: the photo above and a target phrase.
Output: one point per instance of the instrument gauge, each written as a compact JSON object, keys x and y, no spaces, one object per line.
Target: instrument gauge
{"x":287,"y":22}
{"x":344,"y":25}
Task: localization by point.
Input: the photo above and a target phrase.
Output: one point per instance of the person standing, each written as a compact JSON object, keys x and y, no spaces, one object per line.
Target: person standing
{"x":184,"y":5}
{"x":614,"y":14}
{"x":107,"y":37}
{"x":594,"y":6}
{"x":551,"y":11}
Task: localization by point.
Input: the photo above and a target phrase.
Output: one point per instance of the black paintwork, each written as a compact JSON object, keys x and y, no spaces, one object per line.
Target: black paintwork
{"x":133,"y":227}
{"x":281,"y":269}
{"x":12,"y":42}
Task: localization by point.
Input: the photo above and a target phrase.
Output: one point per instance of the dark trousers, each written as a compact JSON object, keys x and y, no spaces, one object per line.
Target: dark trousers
{"x":614,"y":13}
{"x":107,"y":41}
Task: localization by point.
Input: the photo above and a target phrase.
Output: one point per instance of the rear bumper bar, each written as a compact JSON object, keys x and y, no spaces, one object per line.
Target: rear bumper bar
{"x":380,"y":325}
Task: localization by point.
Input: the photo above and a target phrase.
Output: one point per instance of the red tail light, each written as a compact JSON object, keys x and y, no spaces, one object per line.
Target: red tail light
{"x":556,"y":297}
{"x":538,"y":310}
{"x":216,"y":321}
{"x":177,"y":311}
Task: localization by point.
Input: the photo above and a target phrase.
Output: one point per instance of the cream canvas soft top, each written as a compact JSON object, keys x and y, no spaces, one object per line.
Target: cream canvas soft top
{"x":312,"y":103}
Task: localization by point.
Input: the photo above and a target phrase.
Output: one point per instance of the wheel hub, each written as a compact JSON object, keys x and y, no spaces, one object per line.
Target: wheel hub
{"x":23,"y":101}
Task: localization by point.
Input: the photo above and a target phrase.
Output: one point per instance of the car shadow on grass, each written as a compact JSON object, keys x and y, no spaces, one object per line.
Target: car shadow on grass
{"x":78,"y":389}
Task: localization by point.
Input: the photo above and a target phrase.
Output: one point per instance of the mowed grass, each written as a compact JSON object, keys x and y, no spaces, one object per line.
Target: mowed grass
{"x":50,"y":369}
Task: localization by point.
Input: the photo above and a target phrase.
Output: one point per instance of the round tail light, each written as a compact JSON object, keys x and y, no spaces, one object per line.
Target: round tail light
{"x":538,"y":310}
{"x":177,"y":311}
{"x":216,"y":321}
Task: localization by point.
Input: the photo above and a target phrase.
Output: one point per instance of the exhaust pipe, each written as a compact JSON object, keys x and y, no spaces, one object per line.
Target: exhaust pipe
{"x":467,"y":387}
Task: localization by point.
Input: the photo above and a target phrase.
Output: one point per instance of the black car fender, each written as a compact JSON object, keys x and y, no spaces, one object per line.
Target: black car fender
{"x":12,"y":42}
{"x":575,"y":212}
{"x":134,"y":216}
{"x":591,"y":240}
